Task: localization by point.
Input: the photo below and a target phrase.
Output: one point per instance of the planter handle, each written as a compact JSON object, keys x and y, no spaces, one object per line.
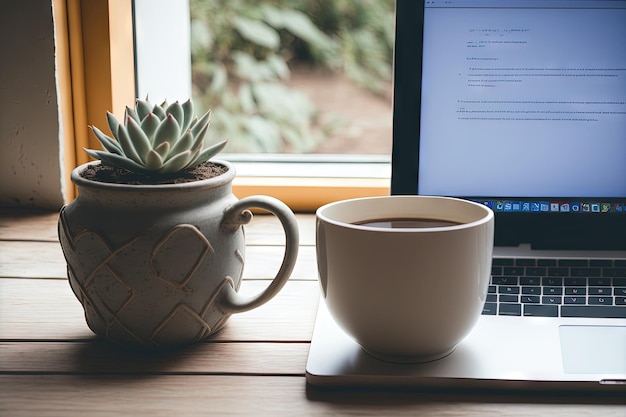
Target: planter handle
{"x":238,"y":214}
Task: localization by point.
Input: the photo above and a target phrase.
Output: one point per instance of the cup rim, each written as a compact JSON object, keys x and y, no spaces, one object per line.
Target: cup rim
{"x":488,"y":216}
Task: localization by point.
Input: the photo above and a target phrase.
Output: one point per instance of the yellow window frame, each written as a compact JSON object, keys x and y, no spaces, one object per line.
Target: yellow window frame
{"x":96,"y":68}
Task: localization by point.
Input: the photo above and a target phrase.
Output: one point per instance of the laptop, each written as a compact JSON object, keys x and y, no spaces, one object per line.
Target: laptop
{"x":519,"y":105}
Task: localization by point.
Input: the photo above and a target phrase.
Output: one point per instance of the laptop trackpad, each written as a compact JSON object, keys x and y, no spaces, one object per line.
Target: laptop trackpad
{"x":593,"y":349}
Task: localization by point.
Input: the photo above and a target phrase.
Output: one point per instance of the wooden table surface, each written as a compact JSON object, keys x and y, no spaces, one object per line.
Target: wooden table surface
{"x":52,"y":365}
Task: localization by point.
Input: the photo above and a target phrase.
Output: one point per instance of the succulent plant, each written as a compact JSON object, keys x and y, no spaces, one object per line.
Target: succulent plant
{"x":156,"y":139}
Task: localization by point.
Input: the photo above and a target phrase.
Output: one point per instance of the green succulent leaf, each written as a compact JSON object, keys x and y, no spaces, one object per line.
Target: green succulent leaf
{"x":193,"y":122}
{"x":184,"y":144}
{"x":149,"y":125}
{"x":176,"y":110}
{"x":200,"y":124}
{"x":210,"y":152}
{"x":199,"y":137}
{"x":159,"y":111}
{"x":194,"y":158}
{"x":113,"y":123}
{"x":168,"y":131}
{"x":177,"y":163}
{"x":154,"y":161}
{"x":132,"y":113}
{"x":143,"y":108}
{"x":107,"y":143}
{"x":159,"y":139}
{"x":188,"y":111}
{"x":139,"y":139}
{"x":163,"y":150}
{"x":93,"y":153}
{"x":127,"y":144}
{"x":118,"y":161}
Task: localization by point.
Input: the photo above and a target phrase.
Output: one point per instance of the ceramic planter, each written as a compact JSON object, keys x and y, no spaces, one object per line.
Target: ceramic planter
{"x":159,"y":266}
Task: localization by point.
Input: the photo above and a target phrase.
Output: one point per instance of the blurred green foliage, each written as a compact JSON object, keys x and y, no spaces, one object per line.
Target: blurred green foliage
{"x":242,"y":52}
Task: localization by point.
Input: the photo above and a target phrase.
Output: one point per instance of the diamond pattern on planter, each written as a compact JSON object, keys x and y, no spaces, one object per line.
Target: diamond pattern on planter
{"x":110,"y":290}
{"x":177,"y":257}
{"x":181,"y":324}
{"x":95,"y":319}
{"x":119,"y":333}
{"x":88,"y":248}
{"x":184,"y":322}
{"x":211,"y":309}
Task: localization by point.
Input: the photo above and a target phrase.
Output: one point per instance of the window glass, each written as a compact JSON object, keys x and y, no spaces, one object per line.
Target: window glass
{"x":295,"y":76}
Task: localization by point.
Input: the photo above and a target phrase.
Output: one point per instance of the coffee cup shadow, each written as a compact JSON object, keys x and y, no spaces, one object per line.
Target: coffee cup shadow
{"x":360,"y":361}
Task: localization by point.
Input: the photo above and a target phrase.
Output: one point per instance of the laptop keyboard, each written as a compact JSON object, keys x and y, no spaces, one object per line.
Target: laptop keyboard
{"x":557,"y":288}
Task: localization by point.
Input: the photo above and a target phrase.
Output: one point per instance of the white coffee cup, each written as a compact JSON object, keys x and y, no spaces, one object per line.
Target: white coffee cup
{"x":405,"y":294}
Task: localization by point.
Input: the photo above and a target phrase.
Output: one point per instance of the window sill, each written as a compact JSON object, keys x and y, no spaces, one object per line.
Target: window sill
{"x":306,"y":182}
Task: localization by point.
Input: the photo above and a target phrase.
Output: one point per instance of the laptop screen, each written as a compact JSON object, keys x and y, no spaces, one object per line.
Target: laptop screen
{"x":520,"y":105}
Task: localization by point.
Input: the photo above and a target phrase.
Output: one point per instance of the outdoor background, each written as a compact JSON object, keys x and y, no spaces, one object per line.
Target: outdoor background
{"x":295,"y":76}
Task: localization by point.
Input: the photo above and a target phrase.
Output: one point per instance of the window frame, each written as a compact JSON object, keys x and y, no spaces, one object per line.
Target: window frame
{"x":101,"y":76}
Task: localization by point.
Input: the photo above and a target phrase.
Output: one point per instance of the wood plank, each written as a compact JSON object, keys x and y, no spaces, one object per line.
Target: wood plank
{"x":99,"y":357}
{"x":33,"y":225}
{"x":29,"y":247}
{"x":200,"y":395}
{"x":266,"y":230}
{"x":51,"y":364}
{"x":45,"y":260}
{"x":43,"y":309}
{"x":23,"y":259}
{"x":27,"y":224}
{"x":290,"y":316}
{"x":263,"y":262}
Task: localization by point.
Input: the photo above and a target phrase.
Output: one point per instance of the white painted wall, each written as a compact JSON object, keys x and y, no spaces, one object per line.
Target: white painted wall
{"x":31,"y":169}
{"x":30,"y":130}
{"x":163,"y":53}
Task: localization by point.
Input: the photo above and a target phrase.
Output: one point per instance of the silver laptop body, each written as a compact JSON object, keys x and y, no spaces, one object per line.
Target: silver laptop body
{"x":520,"y":105}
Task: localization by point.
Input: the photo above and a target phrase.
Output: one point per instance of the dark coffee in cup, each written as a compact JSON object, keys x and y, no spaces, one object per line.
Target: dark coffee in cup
{"x":406,"y":223}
